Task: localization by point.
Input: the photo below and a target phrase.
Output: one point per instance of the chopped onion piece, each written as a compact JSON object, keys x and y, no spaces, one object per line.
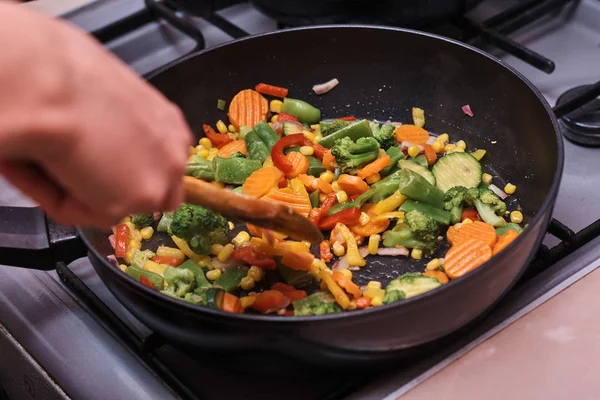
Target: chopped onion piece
{"x":392,"y":251}
{"x":393,"y":123}
{"x":431,"y":140}
{"x":113,"y":260}
{"x":499,"y":192}
{"x":112,"y":240}
{"x":363,"y":251}
{"x":325,"y":87}
{"x":278,"y":127}
{"x":467,"y":110}
{"x":341,"y":264}
{"x":405,"y":145}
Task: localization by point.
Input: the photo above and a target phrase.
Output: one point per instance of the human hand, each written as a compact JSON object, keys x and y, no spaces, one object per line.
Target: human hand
{"x":80,"y":133}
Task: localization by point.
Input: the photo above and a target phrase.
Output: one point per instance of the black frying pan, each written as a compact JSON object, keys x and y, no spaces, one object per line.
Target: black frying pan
{"x":383,"y":73}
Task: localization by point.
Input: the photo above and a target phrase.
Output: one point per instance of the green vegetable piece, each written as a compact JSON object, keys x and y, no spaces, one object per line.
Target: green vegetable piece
{"x":384,"y":135}
{"x":306,"y":113}
{"x":395,"y":155}
{"x":237,"y":190}
{"x":314,"y":199}
{"x":234,"y":171}
{"x":200,"y":227}
{"x":457,"y":169}
{"x":407,"y":286}
{"x":354,"y":131}
{"x":319,"y":303}
{"x":207,"y":297}
{"x":490,"y":207}
{"x":438,"y":215}
{"x":329,"y":127}
{"x":142,"y":220}
{"x":291,"y":127}
{"x":291,"y":149}
{"x":418,"y":232}
{"x":200,"y":278}
{"x":165,"y":222}
{"x":237,"y":154}
{"x":140,"y":257}
{"x":266,"y":134}
{"x":294,"y":277}
{"x":418,"y":168}
{"x":417,"y":188}
{"x":230,"y":279}
{"x":358,"y":202}
{"x":257,"y":149}
{"x":179,"y":281}
{"x":221,"y":104}
{"x":316,"y":167}
{"x":351,"y":156}
{"x":200,"y":168}
{"x":421,"y":160}
{"x":244,"y":130}
{"x":510,"y":226}
{"x":136,"y":273}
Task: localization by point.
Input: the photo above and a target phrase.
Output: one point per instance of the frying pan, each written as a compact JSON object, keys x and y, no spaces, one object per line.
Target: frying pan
{"x":383,"y":73}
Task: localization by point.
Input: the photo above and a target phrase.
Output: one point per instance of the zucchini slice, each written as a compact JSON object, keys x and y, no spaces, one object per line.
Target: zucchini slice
{"x":457,"y":169}
{"x":417,"y":168}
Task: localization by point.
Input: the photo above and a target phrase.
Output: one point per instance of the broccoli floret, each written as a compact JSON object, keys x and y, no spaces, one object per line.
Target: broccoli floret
{"x":418,"y":231}
{"x":408,"y":285}
{"x":179,"y":281}
{"x":140,"y":257}
{"x":316,"y":304}
{"x":351,"y":156}
{"x":200,"y":227}
{"x":384,"y":135}
{"x":329,"y":127}
{"x":489,"y":206}
{"x":142,"y":220}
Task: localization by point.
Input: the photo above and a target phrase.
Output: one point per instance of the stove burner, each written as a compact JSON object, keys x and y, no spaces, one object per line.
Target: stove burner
{"x":581,"y":126}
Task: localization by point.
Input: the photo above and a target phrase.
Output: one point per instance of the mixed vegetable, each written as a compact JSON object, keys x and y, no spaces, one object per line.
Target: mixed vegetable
{"x":374,"y":189}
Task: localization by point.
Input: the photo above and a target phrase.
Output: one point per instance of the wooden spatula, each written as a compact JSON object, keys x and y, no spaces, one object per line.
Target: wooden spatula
{"x":258,"y":212}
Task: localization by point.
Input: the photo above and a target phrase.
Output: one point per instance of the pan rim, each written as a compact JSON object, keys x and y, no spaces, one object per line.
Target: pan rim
{"x":349,"y":316}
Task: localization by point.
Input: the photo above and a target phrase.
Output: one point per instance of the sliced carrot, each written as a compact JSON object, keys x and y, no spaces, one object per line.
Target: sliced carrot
{"x":504,"y":241}
{"x":329,"y":161}
{"x":232,"y":304}
{"x":465,"y":256}
{"x":352,"y":184}
{"x":293,"y":200}
{"x":247,"y":108}
{"x":311,"y":183}
{"x":254,"y":230}
{"x":233,"y":147}
{"x":299,"y":162}
{"x":374,"y":167}
{"x":270,"y":301}
{"x":271,"y":90}
{"x":346,"y":283}
{"x":412,"y":134}
{"x":298,"y":261}
{"x":374,"y":226}
{"x":261,"y":181}
{"x":437,"y":274}
{"x":430,"y":154}
{"x":475,"y":230}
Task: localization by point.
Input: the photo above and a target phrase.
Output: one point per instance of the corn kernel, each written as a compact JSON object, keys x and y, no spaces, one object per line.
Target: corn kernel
{"x":516,"y":217}
{"x":255,"y":273}
{"x":418,"y":116}
{"x":434,"y":264}
{"x":225,"y":252}
{"x":318,"y":137}
{"x":322,"y":197}
{"x":310,"y":136}
{"x":347,"y":273}
{"x":467,"y":221}
{"x":450,"y":148}
{"x":327,"y":176}
{"x":364,"y":218}
{"x":461,"y":144}
{"x":486,"y":178}
{"x":374,"y":244}
{"x":307,"y":150}
{"x":213,"y":150}
{"x":276,"y":106}
{"x":214,"y":274}
{"x":203,"y":153}
{"x":135,"y":244}
{"x":231,"y":225}
{"x":416,"y":254}
{"x":135,"y":234}
{"x":147,"y":232}
{"x":377,"y":301}
{"x":414,"y":150}
{"x":231,"y":128}
{"x":216,"y":248}
{"x":221,"y":127}
{"x":241,"y":238}
{"x":192,"y":151}
{"x":381,"y":153}
{"x":510,"y":188}
{"x":247,"y":301}
{"x":122,"y":267}
{"x":247,"y":283}
{"x":342,"y":196}
{"x":126,"y":219}
{"x":444,"y":138}
{"x":315,"y":127}
{"x":268,"y":162}
{"x":336,"y":187}
{"x":371,"y":179}
{"x":211,"y":157}
{"x":374,"y":285}
{"x":274,"y":118}
{"x":205,"y":142}
{"x":338,"y":249}
{"x":129,"y":255}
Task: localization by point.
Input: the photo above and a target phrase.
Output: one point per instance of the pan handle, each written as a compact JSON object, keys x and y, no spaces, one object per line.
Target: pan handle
{"x":29,"y":239}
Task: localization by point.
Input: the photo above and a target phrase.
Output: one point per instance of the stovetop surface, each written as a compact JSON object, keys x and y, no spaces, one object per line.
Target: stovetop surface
{"x":89,"y":361}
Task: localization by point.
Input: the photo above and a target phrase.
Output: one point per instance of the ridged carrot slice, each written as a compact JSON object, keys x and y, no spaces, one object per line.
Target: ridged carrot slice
{"x":352,"y":184}
{"x":329,"y":161}
{"x":504,"y":241}
{"x":261,"y":181}
{"x":247,"y":108}
{"x":475,"y":230}
{"x":293,"y":200}
{"x":437,"y":274}
{"x":465,"y":257}
{"x":233,"y":147}
{"x":299,"y":162}
{"x":411,"y":133}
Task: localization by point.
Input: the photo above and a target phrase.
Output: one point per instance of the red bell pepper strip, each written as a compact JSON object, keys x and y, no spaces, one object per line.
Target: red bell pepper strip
{"x":319,"y":150}
{"x":121,"y":240}
{"x":282,"y":182}
{"x":253,"y":257}
{"x":349,"y":216}
{"x":325,"y":251}
{"x":146,"y":282}
{"x":470,"y":213}
{"x":317,"y":214}
{"x":270,"y":301}
{"x":271,"y":90}
{"x":279,"y":159}
{"x":363,"y":302}
{"x":289,"y":291}
{"x":217,"y":139}
{"x":282,"y":117}
{"x":348,"y":118}
{"x":172,"y":261}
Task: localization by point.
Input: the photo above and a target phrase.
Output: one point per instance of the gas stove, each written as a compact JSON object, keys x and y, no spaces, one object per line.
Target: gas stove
{"x":63,"y":334}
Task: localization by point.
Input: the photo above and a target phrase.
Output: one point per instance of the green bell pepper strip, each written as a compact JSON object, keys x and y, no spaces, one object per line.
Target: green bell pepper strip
{"x":395,"y":155}
{"x":354,"y":131}
{"x":257,"y":149}
{"x":417,"y":188}
{"x":230,"y":279}
{"x":234,"y":171}
{"x":266,"y":134}
{"x":136,"y":273}
{"x":316,"y":167}
{"x":357,"y":202}
{"x":306,"y":113}
{"x":165,"y":222}
{"x":438,"y":215}
{"x":314,"y":199}
{"x":201,"y":281}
